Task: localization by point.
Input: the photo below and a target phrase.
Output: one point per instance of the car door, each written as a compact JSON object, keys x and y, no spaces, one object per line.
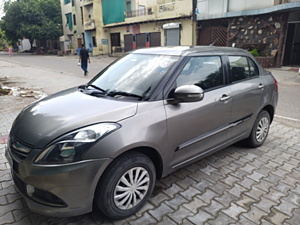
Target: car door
{"x":247,"y":91}
{"x":195,"y":128}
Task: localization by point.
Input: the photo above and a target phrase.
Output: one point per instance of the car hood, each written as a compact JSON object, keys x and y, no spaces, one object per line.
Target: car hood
{"x":45,"y":120}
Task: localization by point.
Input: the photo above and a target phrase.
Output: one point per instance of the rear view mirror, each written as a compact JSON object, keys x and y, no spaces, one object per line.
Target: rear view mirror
{"x":188,"y":93}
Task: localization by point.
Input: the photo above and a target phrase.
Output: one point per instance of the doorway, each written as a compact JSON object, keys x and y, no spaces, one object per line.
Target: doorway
{"x":292,"y":45}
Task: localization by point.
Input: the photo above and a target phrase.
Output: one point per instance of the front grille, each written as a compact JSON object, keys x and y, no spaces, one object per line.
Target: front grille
{"x":18,"y":149}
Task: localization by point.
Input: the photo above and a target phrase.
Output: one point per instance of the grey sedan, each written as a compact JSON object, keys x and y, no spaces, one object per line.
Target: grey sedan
{"x":144,"y":116}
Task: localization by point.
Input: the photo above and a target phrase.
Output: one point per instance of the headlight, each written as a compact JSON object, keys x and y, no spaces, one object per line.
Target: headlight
{"x":70,"y":147}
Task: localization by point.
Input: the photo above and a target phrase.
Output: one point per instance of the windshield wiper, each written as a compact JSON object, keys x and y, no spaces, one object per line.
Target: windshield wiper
{"x":95,"y":91}
{"x":123,"y":93}
{"x":96,"y":87}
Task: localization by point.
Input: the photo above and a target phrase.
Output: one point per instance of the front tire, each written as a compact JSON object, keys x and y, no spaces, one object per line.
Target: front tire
{"x":126,"y":185}
{"x":260,"y":130}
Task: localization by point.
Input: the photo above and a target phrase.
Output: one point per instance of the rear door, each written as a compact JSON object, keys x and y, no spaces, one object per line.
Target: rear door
{"x":196,"y":127}
{"x":247,"y":92}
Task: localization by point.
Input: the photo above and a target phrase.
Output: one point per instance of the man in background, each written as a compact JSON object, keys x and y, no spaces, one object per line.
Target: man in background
{"x":84,"y":58}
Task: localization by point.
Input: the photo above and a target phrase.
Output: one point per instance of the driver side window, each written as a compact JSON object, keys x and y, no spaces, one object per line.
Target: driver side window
{"x":203,"y":71}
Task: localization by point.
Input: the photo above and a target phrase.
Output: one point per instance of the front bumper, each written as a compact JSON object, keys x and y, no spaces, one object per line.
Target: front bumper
{"x":57,"y":190}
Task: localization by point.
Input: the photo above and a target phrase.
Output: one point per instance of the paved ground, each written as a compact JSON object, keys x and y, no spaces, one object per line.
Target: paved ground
{"x":234,"y":186}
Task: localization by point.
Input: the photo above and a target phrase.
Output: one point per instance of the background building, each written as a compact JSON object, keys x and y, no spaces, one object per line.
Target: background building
{"x":271,"y":27}
{"x":122,"y":25}
{"x":72,"y":23}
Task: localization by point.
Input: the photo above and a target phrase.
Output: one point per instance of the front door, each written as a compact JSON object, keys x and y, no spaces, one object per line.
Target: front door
{"x":199,"y":127}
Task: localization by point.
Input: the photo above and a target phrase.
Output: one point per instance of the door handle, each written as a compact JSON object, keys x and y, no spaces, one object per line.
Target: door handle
{"x":225,"y":98}
{"x":261,"y":86}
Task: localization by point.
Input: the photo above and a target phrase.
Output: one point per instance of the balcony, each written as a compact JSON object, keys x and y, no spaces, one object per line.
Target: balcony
{"x":90,"y":25}
{"x":139,"y":12}
{"x":167,"y":7}
{"x":88,"y":2}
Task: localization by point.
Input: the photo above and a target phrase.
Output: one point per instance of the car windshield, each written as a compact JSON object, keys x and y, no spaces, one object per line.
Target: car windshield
{"x":135,"y":75}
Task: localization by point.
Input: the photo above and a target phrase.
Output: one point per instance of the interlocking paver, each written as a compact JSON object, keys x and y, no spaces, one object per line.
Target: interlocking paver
{"x":145,"y":219}
{"x":221,"y":220}
{"x":200,"y":218}
{"x":195,"y":205}
{"x":176,"y":202}
{"x":166,"y":221}
{"x":276,"y":217}
{"x":274,"y":195}
{"x":245,"y":201}
{"x":234,"y":211}
{"x":255,"y":193}
{"x":7,"y":218}
{"x":295,"y":219}
{"x":265,"y":204}
{"x":286,"y":207}
{"x":255,"y":214}
{"x":173,"y":190}
{"x":213,"y":208}
{"x":161,"y":211}
{"x":208,"y":195}
{"x":180,"y":214}
{"x":190,"y":193}
{"x":226,"y":199}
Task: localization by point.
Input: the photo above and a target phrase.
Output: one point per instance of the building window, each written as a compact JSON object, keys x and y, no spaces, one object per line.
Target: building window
{"x":94,"y":42}
{"x":74,"y":19}
{"x":67,"y":1}
{"x":69,"y":20}
{"x":81,"y":13}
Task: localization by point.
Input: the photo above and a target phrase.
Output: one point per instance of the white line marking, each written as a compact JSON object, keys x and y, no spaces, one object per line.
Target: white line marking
{"x":287,"y":118}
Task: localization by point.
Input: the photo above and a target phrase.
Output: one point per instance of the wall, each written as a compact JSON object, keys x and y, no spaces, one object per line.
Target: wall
{"x":262,"y":32}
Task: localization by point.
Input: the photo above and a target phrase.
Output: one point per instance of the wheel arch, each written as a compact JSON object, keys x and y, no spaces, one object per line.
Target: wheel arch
{"x":270,"y":109}
{"x":153,"y":155}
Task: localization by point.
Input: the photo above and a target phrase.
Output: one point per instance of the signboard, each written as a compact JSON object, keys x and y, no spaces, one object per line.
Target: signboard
{"x":104,"y":41}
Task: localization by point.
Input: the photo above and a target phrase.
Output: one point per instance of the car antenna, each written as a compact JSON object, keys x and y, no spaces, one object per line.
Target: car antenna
{"x":213,"y":44}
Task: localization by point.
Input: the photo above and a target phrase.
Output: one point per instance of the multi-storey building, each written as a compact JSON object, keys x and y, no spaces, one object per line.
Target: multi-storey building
{"x":72,"y":23}
{"x":130,"y":24}
{"x":272,"y":27}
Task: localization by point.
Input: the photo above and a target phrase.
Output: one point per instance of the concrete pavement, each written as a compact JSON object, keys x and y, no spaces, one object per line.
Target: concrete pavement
{"x":234,"y":186}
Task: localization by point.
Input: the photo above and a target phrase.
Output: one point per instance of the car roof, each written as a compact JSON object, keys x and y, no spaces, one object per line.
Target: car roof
{"x":191,"y":50}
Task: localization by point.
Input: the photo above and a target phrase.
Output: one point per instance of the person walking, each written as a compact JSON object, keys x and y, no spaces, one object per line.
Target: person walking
{"x":10,"y":52}
{"x":84,"y":58}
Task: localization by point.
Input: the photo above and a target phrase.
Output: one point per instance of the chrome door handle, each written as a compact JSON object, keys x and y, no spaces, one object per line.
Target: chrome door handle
{"x":260,"y":86}
{"x":225,"y":98}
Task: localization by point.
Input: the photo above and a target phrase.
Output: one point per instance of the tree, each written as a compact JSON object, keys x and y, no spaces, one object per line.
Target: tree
{"x":33,"y":19}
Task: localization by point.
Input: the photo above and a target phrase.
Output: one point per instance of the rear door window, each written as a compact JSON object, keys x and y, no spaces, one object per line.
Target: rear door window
{"x":241,"y":68}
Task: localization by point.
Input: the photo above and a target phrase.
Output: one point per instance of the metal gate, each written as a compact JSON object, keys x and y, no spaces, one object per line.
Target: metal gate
{"x":173,"y":37}
{"x":155,"y":39}
{"x":212,"y":35}
{"x":128,"y":39}
{"x":140,"y":40}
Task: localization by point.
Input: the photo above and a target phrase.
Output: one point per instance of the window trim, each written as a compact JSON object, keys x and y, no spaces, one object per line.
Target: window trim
{"x":248,"y":64}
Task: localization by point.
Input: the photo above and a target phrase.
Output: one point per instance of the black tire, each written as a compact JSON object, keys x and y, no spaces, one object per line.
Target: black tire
{"x":113,"y":184}
{"x":260,"y":130}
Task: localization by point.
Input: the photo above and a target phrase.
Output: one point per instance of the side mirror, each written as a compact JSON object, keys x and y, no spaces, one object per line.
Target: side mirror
{"x":188,"y":93}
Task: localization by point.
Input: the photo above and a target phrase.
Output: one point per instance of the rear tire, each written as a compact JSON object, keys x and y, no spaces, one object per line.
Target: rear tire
{"x":260,"y":130}
{"x":126,"y":185}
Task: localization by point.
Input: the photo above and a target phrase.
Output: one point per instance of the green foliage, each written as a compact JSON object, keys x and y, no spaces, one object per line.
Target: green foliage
{"x":33,"y":19}
{"x":254,"y":52}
